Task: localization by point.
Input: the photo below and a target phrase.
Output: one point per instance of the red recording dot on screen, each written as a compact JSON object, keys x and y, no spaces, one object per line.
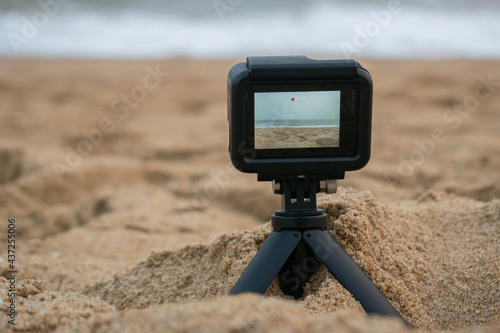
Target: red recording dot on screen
{"x":293,"y":99}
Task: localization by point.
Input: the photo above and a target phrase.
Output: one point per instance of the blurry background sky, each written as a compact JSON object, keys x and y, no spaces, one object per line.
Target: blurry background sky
{"x":235,"y":28}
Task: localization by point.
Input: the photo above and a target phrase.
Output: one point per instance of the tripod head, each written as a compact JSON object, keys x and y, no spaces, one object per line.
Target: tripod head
{"x":298,"y":203}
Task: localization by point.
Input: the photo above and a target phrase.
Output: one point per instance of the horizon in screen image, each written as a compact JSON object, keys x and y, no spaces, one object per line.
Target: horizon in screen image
{"x":297,"y":119}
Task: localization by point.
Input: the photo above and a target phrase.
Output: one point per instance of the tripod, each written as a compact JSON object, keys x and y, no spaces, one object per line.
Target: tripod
{"x":297,"y":244}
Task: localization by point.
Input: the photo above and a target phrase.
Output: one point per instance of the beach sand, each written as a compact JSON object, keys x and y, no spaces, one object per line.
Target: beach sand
{"x":296,"y":137}
{"x":130,"y":217}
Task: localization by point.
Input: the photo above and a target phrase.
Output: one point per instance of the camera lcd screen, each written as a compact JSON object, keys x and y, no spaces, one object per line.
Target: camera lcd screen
{"x":297,"y":119}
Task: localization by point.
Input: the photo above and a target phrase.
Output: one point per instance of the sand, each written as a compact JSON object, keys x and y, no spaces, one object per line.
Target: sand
{"x":129,"y":216}
{"x":296,"y":137}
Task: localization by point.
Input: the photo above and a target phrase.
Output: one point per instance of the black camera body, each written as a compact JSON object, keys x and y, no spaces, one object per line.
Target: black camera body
{"x":291,"y":116}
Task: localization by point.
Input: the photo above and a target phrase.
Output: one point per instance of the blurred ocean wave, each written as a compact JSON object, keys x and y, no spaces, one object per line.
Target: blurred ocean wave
{"x":234,"y":28}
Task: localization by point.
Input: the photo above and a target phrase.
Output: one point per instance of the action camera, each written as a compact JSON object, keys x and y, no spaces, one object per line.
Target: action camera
{"x":291,"y":116}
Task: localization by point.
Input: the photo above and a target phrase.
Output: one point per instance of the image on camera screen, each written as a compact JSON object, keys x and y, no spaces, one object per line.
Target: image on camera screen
{"x":297,"y":119}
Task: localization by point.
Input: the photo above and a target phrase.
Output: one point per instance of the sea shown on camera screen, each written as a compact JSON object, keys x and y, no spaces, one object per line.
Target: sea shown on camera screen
{"x":297,"y":119}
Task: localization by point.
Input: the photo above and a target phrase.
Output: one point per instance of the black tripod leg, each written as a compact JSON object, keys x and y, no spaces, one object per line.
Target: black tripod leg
{"x":348,"y":273}
{"x":267,"y":262}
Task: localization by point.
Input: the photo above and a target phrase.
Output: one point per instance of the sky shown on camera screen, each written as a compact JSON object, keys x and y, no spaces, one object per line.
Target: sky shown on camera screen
{"x":297,"y":109}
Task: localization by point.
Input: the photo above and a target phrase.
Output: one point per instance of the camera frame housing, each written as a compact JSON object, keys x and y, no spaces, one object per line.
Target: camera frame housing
{"x":298,"y":74}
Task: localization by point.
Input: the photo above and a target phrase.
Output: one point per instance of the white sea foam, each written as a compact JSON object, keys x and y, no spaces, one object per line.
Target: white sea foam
{"x":322,"y":29}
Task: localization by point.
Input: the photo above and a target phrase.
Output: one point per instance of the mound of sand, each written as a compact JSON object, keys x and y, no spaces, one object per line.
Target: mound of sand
{"x":396,"y":246}
{"x":418,"y":254}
